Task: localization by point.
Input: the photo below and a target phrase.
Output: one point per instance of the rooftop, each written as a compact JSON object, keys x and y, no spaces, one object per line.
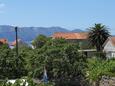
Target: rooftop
{"x":113,"y":40}
{"x":70,"y":35}
{"x":3,"y":40}
{"x":14,"y":43}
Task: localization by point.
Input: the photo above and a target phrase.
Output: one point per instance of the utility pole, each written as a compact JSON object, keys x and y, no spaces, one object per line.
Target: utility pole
{"x":16,"y":30}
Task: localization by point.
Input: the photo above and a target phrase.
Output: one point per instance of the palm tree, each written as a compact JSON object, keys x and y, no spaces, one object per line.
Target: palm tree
{"x":98,"y":35}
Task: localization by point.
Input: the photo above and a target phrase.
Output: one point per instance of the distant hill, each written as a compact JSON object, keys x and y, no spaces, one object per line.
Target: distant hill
{"x":77,"y":30}
{"x":29,"y":33}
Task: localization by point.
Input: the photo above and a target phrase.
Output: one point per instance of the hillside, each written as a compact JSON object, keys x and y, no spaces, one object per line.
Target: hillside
{"x":29,"y":33}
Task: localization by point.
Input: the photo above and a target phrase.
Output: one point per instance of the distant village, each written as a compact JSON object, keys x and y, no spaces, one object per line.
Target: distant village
{"x":80,"y":38}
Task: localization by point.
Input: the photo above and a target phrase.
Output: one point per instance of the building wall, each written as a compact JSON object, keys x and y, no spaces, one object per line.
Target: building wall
{"x":83,"y":43}
{"x":109,"y":49}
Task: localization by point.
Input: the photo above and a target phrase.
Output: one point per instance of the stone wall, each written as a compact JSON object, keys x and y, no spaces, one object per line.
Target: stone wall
{"x":107,"y":81}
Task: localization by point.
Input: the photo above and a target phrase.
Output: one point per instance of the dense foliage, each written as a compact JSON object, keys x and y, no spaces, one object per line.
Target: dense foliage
{"x":98,"y":68}
{"x":65,"y":65}
{"x":10,"y":65}
{"x":40,"y":41}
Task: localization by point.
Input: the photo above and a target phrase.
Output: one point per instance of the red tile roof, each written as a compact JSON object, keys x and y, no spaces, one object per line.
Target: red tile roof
{"x":81,"y":35}
{"x":113,"y":40}
{"x":3,"y":40}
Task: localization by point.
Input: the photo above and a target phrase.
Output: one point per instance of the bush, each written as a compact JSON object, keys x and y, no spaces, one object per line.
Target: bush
{"x":65,"y":66}
{"x":101,"y":55}
{"x":96,"y":68}
{"x":11,"y":66}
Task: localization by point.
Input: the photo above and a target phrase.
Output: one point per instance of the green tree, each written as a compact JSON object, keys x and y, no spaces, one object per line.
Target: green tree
{"x":10,"y":65}
{"x":40,"y":41}
{"x":58,"y":42}
{"x":98,"y":35}
{"x":64,"y":64}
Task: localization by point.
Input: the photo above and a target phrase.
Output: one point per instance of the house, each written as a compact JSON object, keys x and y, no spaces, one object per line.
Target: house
{"x":80,"y":38}
{"x":71,"y":35}
{"x":3,"y":41}
{"x":20,"y":43}
{"x":109,"y":47}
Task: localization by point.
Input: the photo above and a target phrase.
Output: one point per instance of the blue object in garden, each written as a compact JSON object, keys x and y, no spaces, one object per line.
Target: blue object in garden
{"x":45,"y":77}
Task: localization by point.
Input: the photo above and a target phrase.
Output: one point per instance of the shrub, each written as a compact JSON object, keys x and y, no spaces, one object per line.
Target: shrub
{"x":96,"y":68}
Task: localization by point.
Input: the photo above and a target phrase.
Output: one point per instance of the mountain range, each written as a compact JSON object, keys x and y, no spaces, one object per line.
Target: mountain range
{"x":29,"y":33}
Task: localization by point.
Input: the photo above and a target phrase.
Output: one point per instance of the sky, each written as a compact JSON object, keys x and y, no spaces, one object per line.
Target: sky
{"x":70,"y":14}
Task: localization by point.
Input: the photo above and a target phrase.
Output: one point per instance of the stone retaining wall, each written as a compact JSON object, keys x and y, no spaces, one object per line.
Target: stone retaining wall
{"x":107,"y":81}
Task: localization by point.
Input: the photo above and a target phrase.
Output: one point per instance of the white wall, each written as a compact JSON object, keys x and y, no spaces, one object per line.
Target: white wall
{"x":109,"y":49}
{"x":109,"y":46}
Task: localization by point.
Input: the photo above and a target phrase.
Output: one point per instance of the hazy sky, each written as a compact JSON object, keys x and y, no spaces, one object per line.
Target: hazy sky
{"x":69,"y":14}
